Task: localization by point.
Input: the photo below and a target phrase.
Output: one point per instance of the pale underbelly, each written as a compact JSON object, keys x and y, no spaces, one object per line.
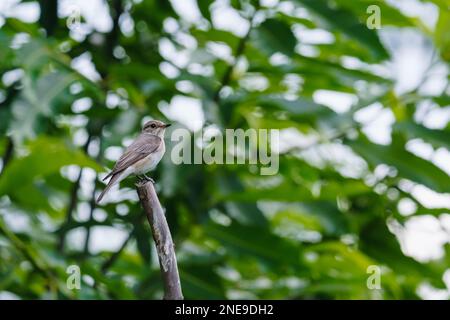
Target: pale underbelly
{"x":148,"y":163}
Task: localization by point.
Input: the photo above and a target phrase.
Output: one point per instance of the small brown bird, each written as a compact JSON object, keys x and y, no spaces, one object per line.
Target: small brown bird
{"x":141,"y":156}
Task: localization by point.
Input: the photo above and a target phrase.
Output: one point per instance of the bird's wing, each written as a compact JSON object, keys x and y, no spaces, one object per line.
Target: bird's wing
{"x":144,"y":145}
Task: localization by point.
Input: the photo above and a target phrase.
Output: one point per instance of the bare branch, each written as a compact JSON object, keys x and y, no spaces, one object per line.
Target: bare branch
{"x":73,"y":201}
{"x":163,"y":240}
{"x":108,"y":263}
{"x":229,"y":71}
{"x":239,"y":51}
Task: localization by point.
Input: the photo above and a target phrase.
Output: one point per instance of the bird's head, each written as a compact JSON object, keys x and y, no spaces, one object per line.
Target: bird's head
{"x":155,"y":127}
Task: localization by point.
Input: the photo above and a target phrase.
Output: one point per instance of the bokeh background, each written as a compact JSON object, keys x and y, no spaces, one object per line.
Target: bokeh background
{"x":364,"y":160}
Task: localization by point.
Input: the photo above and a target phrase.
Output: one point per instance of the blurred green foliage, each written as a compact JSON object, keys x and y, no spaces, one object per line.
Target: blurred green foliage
{"x":311,"y":231}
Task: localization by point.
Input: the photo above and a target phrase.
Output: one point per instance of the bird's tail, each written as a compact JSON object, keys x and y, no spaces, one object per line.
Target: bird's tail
{"x":111,"y":183}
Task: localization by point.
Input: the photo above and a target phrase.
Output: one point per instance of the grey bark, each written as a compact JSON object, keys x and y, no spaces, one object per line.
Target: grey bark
{"x":163,"y":240}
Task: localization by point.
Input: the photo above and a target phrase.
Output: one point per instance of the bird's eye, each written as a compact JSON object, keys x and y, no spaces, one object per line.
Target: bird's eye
{"x":153,"y":125}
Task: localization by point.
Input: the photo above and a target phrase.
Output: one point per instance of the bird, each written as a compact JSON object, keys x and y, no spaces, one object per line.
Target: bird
{"x":140,"y":157}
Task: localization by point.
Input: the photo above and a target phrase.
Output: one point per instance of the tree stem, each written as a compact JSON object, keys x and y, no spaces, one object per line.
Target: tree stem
{"x":8,"y":153}
{"x":163,"y":240}
{"x":239,"y":51}
{"x":229,"y":71}
{"x":73,"y":201}
{"x":108,"y":263}
{"x":49,"y":16}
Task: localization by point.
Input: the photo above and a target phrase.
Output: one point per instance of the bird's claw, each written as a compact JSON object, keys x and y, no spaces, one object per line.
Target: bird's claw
{"x":147,"y":178}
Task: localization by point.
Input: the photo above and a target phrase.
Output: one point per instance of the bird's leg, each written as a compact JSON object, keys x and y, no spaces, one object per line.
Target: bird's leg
{"x":149,"y":179}
{"x":140,"y":178}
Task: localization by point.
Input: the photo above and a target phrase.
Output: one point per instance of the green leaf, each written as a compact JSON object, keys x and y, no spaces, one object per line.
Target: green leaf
{"x":380,"y":244}
{"x":302,"y":108}
{"x":441,"y":34}
{"x":274,"y":36}
{"x":409,"y":166}
{"x":438,"y":138}
{"x":245,"y":213}
{"x":143,"y":239}
{"x":201,"y":282}
{"x":204,"y":5}
{"x":443,"y":100}
{"x":45,"y":156}
{"x":204,"y":36}
{"x":344,"y":20}
{"x":257,"y":242}
{"x":389,"y":14}
{"x":321,"y":216}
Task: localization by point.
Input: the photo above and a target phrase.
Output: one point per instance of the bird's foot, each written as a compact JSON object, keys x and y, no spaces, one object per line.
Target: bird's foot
{"x":147,"y":178}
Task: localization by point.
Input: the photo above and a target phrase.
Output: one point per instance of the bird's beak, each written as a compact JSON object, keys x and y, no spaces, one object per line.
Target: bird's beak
{"x":167,"y":125}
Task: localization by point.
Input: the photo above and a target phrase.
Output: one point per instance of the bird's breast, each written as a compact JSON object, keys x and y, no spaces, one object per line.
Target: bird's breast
{"x":149,"y":162}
